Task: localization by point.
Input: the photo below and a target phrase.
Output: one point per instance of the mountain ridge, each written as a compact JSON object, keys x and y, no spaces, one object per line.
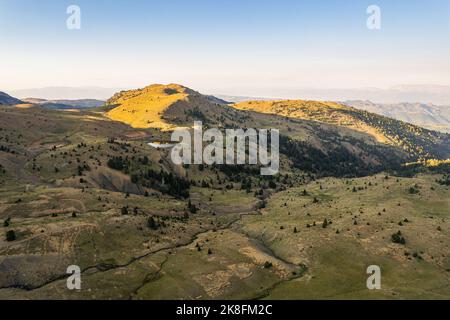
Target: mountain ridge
{"x":6,"y":99}
{"x":166,"y":107}
{"x":383,"y":129}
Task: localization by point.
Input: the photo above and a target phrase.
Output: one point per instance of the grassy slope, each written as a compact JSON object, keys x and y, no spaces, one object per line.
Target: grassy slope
{"x":126,"y":259}
{"x":143,"y":108}
{"x":412,"y":139}
{"x":337,"y":261}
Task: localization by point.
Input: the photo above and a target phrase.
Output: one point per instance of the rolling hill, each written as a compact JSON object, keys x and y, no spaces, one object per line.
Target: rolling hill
{"x":322,"y":137}
{"x":414,"y":140}
{"x":164,"y":107}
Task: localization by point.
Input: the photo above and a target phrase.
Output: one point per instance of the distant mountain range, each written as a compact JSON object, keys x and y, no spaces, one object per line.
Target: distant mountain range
{"x":66,"y":93}
{"x":425,"y":115}
{"x":66,"y":104}
{"x":237,"y":99}
{"x":436,"y":94}
{"x":6,"y":99}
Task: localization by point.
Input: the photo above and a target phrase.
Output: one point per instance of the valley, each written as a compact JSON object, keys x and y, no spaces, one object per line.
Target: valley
{"x":83,"y":187}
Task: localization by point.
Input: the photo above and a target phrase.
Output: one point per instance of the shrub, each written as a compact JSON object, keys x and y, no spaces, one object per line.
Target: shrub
{"x":192,"y":208}
{"x":152,"y":224}
{"x":7,"y":222}
{"x":10,"y":235}
{"x":262,"y":204}
{"x":398,"y":238}
{"x":413,"y":190}
{"x":116,"y":163}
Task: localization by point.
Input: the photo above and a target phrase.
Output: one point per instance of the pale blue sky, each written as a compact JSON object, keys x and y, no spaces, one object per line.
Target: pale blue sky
{"x":234,"y":47}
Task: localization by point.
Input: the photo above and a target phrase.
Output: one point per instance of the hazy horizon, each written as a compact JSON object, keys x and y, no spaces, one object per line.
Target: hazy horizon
{"x":430,"y":94}
{"x":251,"y":48}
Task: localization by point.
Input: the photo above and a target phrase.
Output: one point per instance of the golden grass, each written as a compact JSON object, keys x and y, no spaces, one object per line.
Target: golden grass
{"x":25,"y":105}
{"x":326,"y":112}
{"x":143,"y":108}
